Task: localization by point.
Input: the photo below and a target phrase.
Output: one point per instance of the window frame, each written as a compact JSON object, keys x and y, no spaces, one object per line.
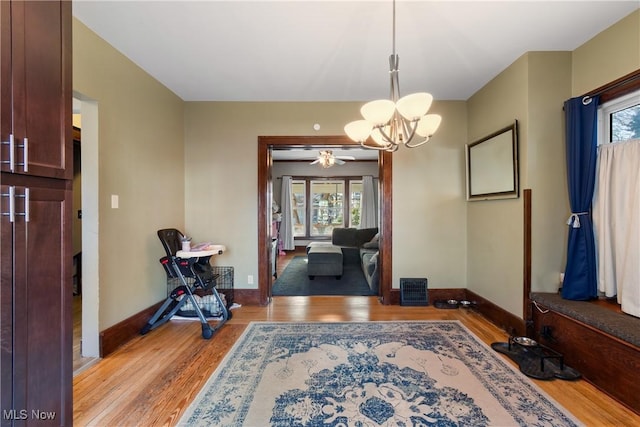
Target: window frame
{"x":346,"y":208}
{"x":608,"y":108}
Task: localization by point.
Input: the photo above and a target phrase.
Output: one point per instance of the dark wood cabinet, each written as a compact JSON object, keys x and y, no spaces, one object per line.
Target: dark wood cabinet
{"x":36,"y":299}
{"x":35,"y":250}
{"x":35,"y":61}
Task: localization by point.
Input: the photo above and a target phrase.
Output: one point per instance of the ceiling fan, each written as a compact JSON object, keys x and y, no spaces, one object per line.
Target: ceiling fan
{"x":326,"y":159}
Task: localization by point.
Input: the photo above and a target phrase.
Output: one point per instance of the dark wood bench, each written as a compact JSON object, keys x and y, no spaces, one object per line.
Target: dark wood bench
{"x":603,"y":345}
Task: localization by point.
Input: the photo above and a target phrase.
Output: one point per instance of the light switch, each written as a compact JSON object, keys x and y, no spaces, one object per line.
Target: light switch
{"x":114,"y":201}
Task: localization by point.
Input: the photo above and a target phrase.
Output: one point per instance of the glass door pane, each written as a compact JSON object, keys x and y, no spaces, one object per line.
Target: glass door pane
{"x":355,"y":198}
{"x":327,"y":206}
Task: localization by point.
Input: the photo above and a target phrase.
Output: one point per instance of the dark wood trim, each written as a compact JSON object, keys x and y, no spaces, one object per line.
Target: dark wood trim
{"x":118,"y":334}
{"x":265,"y":144}
{"x":617,"y":88}
{"x":264,"y":235}
{"x":386,"y":225}
{"x":247,"y":296}
{"x":433,"y":295}
{"x":526,"y":273}
{"x":505,"y":320}
{"x":307,"y":161}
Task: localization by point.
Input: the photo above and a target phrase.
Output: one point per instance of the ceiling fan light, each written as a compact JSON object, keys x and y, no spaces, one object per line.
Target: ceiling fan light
{"x":428,"y":125}
{"x":378,"y":112}
{"x":415,"y":105}
{"x":358,"y":130}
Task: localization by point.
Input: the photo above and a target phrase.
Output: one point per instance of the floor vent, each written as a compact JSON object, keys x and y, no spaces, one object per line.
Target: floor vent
{"x":413,"y":292}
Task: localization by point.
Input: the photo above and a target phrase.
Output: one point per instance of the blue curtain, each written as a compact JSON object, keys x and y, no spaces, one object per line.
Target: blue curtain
{"x":580,"y":280}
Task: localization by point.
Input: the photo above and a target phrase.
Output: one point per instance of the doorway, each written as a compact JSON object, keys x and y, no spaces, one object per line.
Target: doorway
{"x":87,"y":214}
{"x":265,"y":161}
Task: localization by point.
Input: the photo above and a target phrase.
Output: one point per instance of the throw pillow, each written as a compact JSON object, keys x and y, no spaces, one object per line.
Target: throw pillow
{"x":373,"y":243}
{"x":373,"y":262}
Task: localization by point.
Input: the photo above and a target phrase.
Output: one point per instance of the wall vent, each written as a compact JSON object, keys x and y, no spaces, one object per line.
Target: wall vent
{"x":414,"y":292}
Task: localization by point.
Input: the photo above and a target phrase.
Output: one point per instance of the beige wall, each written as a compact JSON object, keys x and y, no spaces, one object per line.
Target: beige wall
{"x":533,"y":90}
{"x":548,"y":88}
{"x":141,"y":159}
{"x":613,"y":53}
{"x":221,"y":184}
{"x":494,"y":227}
{"x":209,"y":190}
{"x":429,"y":210}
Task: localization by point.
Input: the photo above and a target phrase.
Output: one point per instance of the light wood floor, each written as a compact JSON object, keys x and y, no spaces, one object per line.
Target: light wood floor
{"x":79,"y":362}
{"x":151,"y":380}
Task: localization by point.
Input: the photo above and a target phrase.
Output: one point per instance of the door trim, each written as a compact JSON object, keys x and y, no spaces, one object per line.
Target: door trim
{"x":265,"y":162}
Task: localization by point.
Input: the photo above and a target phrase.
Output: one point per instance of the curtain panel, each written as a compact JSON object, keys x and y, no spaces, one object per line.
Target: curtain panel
{"x":286,"y":227}
{"x":368,"y":211}
{"x":616,"y":208}
{"x":580,"y":282}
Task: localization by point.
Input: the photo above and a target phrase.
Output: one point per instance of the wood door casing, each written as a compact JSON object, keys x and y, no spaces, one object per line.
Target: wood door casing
{"x":265,"y":144}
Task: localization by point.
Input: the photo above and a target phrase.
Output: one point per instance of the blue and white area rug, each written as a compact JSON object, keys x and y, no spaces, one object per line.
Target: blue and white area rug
{"x":369,"y":374}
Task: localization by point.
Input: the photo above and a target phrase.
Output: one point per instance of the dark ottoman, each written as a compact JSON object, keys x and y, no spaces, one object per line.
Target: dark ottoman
{"x":325,"y":260}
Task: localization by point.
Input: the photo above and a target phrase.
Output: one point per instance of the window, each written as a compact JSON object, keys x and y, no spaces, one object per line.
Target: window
{"x":327,"y":207}
{"x":320,"y":205}
{"x":619,"y":120}
{"x":355,"y":196}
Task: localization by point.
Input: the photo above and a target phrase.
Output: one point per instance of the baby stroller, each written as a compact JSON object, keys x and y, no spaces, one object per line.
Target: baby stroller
{"x":193,"y":272}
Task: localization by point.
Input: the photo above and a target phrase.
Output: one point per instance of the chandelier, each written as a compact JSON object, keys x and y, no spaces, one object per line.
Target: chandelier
{"x":389,"y":123}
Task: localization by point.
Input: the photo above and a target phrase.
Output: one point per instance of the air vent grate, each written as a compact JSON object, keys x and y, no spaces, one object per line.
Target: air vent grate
{"x":414,"y":292}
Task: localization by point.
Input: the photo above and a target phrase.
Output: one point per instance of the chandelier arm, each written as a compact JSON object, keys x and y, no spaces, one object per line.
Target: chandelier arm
{"x":417,"y":144}
{"x":409,"y":130}
{"x":393,"y":148}
{"x":363,"y":144}
{"x":389,"y":139}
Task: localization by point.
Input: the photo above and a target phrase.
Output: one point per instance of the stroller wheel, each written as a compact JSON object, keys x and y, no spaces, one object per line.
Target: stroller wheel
{"x":207,"y":332}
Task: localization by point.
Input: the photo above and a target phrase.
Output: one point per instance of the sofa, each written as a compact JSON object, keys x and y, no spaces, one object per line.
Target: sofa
{"x":359,"y":246}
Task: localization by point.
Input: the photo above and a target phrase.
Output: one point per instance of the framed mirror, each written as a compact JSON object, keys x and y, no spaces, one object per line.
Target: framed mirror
{"x":492,"y":166}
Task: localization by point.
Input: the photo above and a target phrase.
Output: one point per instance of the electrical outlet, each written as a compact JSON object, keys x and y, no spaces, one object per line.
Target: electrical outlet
{"x":250,"y":279}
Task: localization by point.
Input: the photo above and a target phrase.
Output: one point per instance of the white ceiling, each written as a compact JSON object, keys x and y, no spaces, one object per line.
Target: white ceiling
{"x":337,"y":50}
{"x":328,"y":50}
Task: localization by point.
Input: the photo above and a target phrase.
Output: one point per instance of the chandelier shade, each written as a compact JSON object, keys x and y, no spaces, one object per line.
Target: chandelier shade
{"x":358,"y":130}
{"x":378,"y":112}
{"x":414,"y":106}
{"x":389,"y":123}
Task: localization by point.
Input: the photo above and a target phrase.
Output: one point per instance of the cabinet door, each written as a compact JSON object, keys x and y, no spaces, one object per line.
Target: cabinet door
{"x":40,"y":61}
{"x":6,"y":305}
{"x":41,"y":291}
